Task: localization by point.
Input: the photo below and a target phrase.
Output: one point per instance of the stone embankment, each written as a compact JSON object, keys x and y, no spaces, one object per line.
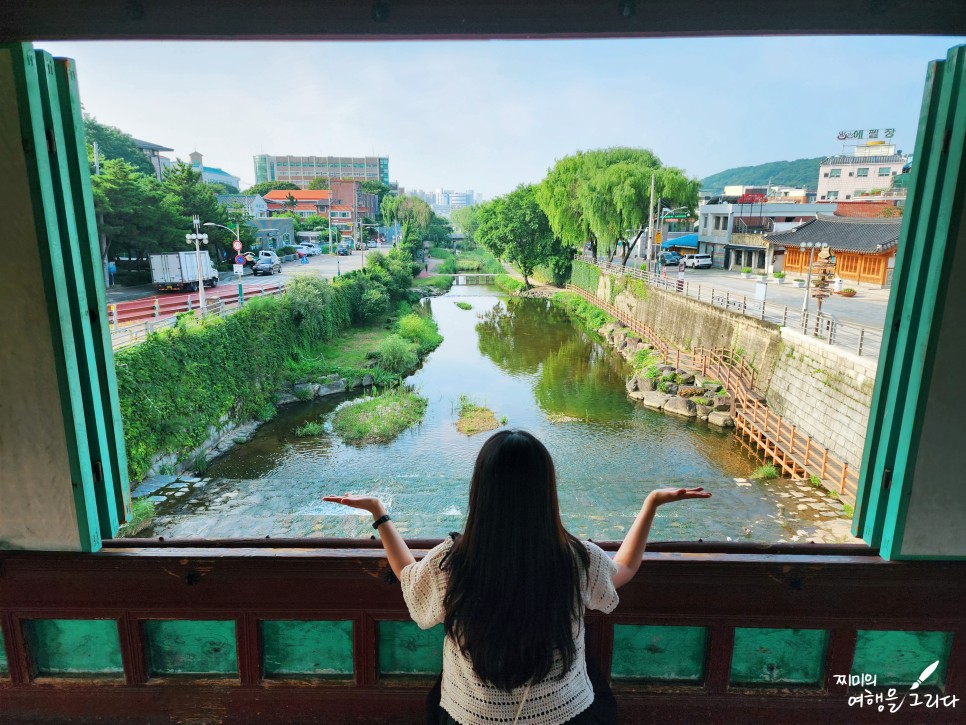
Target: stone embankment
{"x":666,"y":388}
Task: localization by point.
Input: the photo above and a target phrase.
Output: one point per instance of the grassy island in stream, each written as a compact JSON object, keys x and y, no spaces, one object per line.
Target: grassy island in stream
{"x":474,"y":418}
{"x":380,"y":418}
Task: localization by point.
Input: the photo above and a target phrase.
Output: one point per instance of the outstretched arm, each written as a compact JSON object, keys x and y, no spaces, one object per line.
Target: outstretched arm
{"x":396,"y":550}
{"x":629,"y":555}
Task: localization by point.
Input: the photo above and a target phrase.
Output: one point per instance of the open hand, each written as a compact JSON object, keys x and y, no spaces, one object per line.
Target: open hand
{"x":661,"y":496}
{"x":367,"y":503}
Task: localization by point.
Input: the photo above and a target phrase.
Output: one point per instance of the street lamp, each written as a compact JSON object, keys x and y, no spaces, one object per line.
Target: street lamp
{"x":198,"y":239}
{"x":241,"y":295}
{"x":811,"y":247}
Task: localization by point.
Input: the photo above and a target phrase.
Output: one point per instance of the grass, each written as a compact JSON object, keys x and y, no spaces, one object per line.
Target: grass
{"x":438,"y":281}
{"x":508,"y":284}
{"x":848,"y":510}
{"x":421,"y":330}
{"x":699,"y":400}
{"x":440,"y":253}
{"x":142,"y":513}
{"x":309,"y":430}
{"x":200,"y":464}
{"x":474,"y":418}
{"x":380,"y":418}
{"x":590,"y":316}
{"x":815,"y":481}
{"x":643,"y":360}
{"x":464,"y":305}
{"x":397,"y":355}
{"x":764,"y":472}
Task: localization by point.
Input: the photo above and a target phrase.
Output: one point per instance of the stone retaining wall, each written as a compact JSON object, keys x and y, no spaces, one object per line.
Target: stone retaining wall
{"x":825,"y":391}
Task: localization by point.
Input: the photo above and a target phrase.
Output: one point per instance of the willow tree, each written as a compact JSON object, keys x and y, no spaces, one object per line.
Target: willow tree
{"x":603,"y":197}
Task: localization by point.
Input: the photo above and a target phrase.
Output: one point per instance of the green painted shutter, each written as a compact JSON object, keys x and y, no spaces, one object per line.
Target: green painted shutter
{"x":931,"y":225}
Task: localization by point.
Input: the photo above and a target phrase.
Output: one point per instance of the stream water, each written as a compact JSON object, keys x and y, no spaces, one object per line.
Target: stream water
{"x":529,"y":363}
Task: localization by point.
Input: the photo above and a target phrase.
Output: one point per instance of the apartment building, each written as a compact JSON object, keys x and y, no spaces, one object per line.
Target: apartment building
{"x":868,"y":171}
{"x":301,"y":170}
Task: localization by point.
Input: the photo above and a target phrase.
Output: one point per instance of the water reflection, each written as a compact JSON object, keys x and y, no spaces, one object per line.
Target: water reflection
{"x":525,"y":360}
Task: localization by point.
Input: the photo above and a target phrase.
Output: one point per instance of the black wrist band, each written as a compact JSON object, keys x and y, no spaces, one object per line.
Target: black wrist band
{"x":380,"y":521}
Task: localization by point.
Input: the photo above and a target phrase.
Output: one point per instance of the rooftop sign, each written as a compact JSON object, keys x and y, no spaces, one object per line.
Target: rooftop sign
{"x":860,"y":134}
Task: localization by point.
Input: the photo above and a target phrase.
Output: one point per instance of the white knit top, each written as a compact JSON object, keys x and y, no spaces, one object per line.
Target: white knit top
{"x":469,"y":700}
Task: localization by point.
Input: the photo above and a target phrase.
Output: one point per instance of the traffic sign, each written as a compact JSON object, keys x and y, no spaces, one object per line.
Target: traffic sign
{"x":236,"y":245}
{"x":239,"y":259}
{"x":239,"y":268}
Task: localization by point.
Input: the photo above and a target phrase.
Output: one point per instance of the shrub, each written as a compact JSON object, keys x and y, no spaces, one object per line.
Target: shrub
{"x":642,"y":359}
{"x":700,"y":400}
{"x":765,"y":472}
{"x":440,"y":253}
{"x":309,"y":430}
{"x":447,"y":267}
{"x":847,"y":292}
{"x":779,"y":275}
{"x":286,"y":250}
{"x":665,"y":386}
{"x":142,"y":512}
{"x":464,"y":305}
{"x":397,"y":355}
{"x":746,"y":270}
{"x":652,"y":372}
{"x":420,"y":330}
{"x":590,"y":316}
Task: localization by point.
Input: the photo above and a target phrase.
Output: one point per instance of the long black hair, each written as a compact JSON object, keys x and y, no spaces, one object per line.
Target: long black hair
{"x":514,"y":575}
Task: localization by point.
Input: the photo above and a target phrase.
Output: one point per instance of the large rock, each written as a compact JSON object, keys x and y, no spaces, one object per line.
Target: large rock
{"x":632,"y":385}
{"x":367,"y":381}
{"x":647,"y":384}
{"x":622,"y":344}
{"x":722,"y":402}
{"x":703,"y":410}
{"x":670,"y":388}
{"x":712,"y":387}
{"x":654,"y":399}
{"x":329,"y":388}
{"x":680,"y":406}
{"x":722,"y":420}
{"x":685,"y":377}
{"x":306,"y":391}
{"x":285,"y":399}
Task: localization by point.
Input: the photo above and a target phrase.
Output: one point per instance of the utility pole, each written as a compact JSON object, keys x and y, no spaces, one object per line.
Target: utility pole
{"x":650,"y":225}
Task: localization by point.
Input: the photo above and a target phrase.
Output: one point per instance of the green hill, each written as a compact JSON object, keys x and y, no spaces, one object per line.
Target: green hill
{"x":803,"y":172}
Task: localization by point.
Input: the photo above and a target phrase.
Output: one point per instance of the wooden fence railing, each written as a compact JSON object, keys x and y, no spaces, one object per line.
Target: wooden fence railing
{"x":760,"y":429}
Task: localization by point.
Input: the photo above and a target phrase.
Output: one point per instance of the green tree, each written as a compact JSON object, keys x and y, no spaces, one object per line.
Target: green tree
{"x":132,"y":211}
{"x":222,"y":189}
{"x":113,"y":143}
{"x":188,"y":195}
{"x":372,"y":186}
{"x":319,"y":183}
{"x":290,"y":203}
{"x":515,"y":228}
{"x":466,"y":221}
{"x":603,"y":196}
{"x":267,"y":186}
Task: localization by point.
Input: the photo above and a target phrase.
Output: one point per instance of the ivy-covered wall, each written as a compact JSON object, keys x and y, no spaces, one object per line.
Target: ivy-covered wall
{"x":178,"y":383}
{"x":583,"y":275}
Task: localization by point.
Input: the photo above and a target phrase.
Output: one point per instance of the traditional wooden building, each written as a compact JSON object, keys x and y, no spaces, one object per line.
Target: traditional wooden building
{"x":864,"y":249}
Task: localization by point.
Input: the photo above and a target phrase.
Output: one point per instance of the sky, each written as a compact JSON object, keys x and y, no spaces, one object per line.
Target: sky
{"x":489,"y":115}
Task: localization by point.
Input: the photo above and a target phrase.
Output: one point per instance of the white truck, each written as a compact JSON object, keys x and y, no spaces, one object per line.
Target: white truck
{"x":179,"y":271}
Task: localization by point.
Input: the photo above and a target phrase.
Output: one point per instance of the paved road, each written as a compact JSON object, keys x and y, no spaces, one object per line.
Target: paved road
{"x":324,"y":265}
{"x":867,"y":308}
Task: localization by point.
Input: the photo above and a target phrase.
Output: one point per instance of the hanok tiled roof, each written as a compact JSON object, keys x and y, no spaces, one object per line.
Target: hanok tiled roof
{"x":843,"y":234}
{"x":148,"y":146}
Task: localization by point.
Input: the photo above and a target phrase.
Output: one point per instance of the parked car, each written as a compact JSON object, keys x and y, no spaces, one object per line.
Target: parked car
{"x":309,"y":250}
{"x":344,"y":249}
{"x":670,"y":258}
{"x":254,"y":256}
{"x":698,"y":261}
{"x":269,"y":264}
{"x":371,"y":245}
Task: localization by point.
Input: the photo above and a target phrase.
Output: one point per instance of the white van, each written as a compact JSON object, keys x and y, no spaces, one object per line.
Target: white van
{"x":698,"y":261}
